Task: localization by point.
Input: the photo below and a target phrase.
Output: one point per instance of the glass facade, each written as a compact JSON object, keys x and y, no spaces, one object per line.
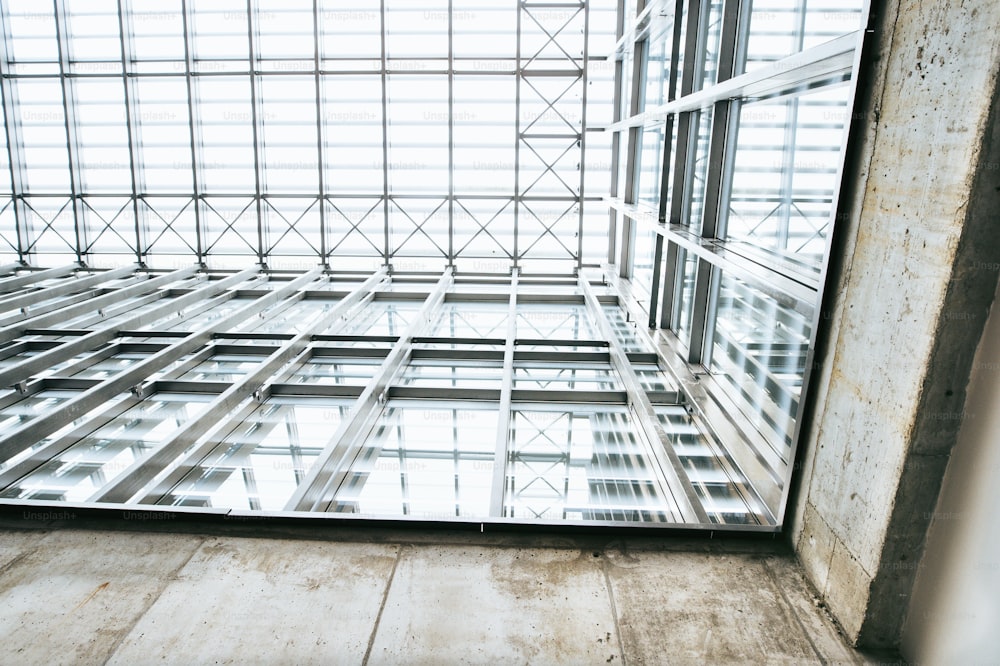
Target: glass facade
{"x":513,"y":262}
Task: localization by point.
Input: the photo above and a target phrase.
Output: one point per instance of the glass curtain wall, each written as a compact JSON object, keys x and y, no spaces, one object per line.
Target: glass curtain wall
{"x":488,"y":262}
{"x":730,"y":132}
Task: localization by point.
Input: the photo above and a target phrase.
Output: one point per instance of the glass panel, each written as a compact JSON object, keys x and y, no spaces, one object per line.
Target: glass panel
{"x":352,"y":144}
{"x":626,"y":330}
{"x":327,"y":370}
{"x":779,"y":28}
{"x":164,"y":137}
{"x":471,"y":320}
{"x":288,"y":135}
{"x":718,"y":483}
{"x":688,"y":266}
{"x":40,"y":109}
{"x":694,"y":200}
{"x":642,"y":271}
{"x":378,"y":318}
{"x":785,"y":175}
{"x":99,"y":458}
{"x":580,"y":463}
{"x":227,"y":133}
{"x":760,"y":347}
{"x":296,"y":318}
{"x":453,"y":374}
{"x":565,"y":376}
{"x":555,"y":322}
{"x":18,"y":411}
{"x":650,"y":165}
{"x":259,"y":465}
{"x":653,"y":378}
{"x":111,"y":366}
{"x":418,"y":134}
{"x":222,"y":368}
{"x":425,"y":460}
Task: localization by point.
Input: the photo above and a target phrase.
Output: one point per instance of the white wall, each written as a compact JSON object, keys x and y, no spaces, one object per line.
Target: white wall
{"x":954,"y":612}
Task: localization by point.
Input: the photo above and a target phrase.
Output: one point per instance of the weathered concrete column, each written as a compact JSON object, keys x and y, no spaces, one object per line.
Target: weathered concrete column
{"x":914,"y":275}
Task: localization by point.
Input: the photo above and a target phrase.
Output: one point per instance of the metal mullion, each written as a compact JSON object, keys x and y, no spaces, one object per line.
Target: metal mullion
{"x":654,"y":287}
{"x":321,"y":166}
{"x":451,"y":137}
{"x":672,"y":265}
{"x":584,"y":75}
{"x":502,"y":448}
{"x":15,"y":144}
{"x":253,"y":384}
{"x":706,"y":277}
{"x":131,"y":378}
{"x":72,"y":126}
{"x":627,"y":261}
{"x":131,"y":123}
{"x":193,"y":128}
{"x":671,"y":271}
{"x":146,"y":286}
{"x":518,"y":78}
{"x":256,"y":119}
{"x":706,"y":280}
{"x":331,"y":466}
{"x":386,"y":258}
{"x":672,"y":473}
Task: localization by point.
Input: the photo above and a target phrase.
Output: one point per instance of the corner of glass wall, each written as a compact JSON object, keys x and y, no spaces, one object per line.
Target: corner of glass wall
{"x":730,"y":131}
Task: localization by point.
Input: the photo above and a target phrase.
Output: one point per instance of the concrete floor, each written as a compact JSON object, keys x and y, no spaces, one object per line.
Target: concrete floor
{"x":111,"y":594}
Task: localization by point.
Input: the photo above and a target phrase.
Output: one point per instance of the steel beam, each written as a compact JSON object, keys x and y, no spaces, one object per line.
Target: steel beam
{"x":324,"y":260}
{"x":584,"y":80}
{"x":254,"y":384}
{"x":72,"y":126}
{"x":318,"y":489}
{"x":502,"y":447}
{"x":39,"y":427}
{"x":386,"y":255}
{"x":15,"y":142}
{"x":257,"y":118}
{"x":72,"y":285}
{"x":132,"y":120}
{"x":95,"y":305}
{"x":194,"y":129}
{"x":28,"y":279}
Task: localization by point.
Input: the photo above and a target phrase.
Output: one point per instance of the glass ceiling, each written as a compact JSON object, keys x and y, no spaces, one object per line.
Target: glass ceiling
{"x":394,"y":256}
{"x":425,"y":133}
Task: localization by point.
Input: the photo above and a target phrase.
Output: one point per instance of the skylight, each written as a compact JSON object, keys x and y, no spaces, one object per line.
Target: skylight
{"x":428,"y":133}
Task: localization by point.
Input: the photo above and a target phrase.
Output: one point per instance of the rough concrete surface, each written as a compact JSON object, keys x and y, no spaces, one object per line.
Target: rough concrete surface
{"x":909,"y":301}
{"x":93,"y":596}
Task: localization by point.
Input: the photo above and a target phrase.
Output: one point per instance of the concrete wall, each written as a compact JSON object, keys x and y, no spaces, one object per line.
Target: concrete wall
{"x":954,"y":614}
{"x":912,"y":282}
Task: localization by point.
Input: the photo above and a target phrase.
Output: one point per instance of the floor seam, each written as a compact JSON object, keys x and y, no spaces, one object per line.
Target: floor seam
{"x":381,"y":608}
{"x":169,"y":579}
{"x":614,"y":609}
